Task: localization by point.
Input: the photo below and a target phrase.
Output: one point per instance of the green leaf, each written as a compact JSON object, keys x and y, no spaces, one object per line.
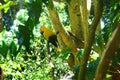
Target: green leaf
{"x":68,"y":1}
{"x":50,"y":4}
{"x":4,"y":49}
{"x":22,"y":16}
{"x":13,"y":49}
{"x":35,"y":10}
{"x":80,"y":53}
{"x":65,"y":53}
{"x":91,"y":69}
{"x":7,"y":5}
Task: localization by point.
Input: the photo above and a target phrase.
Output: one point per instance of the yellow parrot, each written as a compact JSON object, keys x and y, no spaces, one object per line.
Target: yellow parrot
{"x":50,"y":36}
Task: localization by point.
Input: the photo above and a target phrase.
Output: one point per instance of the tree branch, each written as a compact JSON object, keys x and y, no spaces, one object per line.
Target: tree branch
{"x":108,"y":53}
{"x":90,"y":39}
{"x":75,"y":21}
{"x":84,"y":18}
{"x":59,"y":28}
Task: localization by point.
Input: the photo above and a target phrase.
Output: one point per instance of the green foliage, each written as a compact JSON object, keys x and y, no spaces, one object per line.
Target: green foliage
{"x":8,"y":45}
{"x":62,"y":10}
{"x":100,"y":41}
{"x":49,"y":3}
{"x":13,"y":49}
{"x":111,"y":15}
{"x":4,"y":49}
{"x":34,"y":10}
{"x":65,"y":53}
{"x":36,"y":66}
{"x":7,"y":6}
{"x":110,"y":18}
{"x":23,"y":70}
{"x":115,"y":16}
{"x":80,"y":53}
{"x":21,"y":17}
{"x":91,"y":69}
{"x":25,"y":26}
{"x":68,"y":1}
{"x":116,"y":58}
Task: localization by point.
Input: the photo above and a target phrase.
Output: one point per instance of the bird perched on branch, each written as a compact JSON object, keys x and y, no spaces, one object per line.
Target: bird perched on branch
{"x":50,"y":36}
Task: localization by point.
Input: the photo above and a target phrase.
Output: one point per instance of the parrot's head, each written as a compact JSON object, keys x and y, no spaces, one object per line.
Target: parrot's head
{"x":42,"y":29}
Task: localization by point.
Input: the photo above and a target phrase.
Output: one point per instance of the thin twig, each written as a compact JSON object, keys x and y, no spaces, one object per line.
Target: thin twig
{"x":50,"y":61}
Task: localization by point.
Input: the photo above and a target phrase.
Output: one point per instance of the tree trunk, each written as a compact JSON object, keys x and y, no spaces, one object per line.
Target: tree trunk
{"x":75,"y":21}
{"x":108,"y":53}
{"x":90,"y":39}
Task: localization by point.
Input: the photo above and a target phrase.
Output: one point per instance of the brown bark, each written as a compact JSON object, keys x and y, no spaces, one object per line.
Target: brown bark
{"x":90,"y":39}
{"x":71,"y":61}
{"x":108,"y":53}
{"x":84,"y":19}
{"x":1,"y":23}
{"x":59,"y":28}
{"x":75,"y":21}
{"x":114,"y":71}
{"x":1,"y":74}
{"x":99,"y":24}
